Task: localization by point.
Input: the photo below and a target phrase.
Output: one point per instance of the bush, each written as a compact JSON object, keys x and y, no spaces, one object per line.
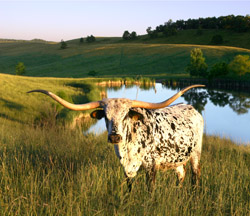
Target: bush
{"x":127,"y":36}
{"x":169,"y":31}
{"x":240,"y":64}
{"x":63,"y":44}
{"x":217,"y":39}
{"x":90,"y":39}
{"x":219,"y":69}
{"x":199,"y":31}
{"x":92,"y":73}
{"x":20,"y":68}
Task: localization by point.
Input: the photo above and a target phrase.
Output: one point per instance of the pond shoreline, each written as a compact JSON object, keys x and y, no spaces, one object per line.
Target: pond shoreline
{"x":223,"y":84}
{"x":118,"y":83}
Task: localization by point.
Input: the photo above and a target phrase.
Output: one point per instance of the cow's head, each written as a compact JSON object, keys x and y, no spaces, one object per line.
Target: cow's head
{"x":118,"y":114}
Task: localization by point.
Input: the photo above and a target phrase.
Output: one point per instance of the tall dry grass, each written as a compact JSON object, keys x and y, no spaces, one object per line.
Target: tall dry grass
{"x":58,"y":171}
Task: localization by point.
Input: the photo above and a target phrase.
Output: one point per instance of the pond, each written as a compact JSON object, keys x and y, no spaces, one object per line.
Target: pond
{"x":225,"y":113}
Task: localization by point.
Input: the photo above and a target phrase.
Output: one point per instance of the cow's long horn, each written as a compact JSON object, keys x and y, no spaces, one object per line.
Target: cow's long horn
{"x":78,"y":107}
{"x":165,"y":103}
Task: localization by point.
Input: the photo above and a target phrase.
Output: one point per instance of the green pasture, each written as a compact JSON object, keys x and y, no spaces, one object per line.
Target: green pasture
{"x":18,"y":106}
{"x":59,"y":171}
{"x":108,"y":58}
{"x":190,"y":36}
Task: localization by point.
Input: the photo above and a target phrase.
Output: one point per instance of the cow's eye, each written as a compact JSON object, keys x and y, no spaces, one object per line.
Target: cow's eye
{"x":97,"y":114}
{"x":135,"y":115}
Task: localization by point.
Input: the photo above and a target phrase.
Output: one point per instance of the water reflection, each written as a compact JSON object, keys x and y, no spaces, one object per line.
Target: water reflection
{"x":240,"y":105}
{"x":220,"y":99}
{"x":238,"y":102}
{"x":226,"y":113}
{"x":198,"y":99}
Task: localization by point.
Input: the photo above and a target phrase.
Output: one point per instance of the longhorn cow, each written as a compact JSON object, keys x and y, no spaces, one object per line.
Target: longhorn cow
{"x":152,"y":135}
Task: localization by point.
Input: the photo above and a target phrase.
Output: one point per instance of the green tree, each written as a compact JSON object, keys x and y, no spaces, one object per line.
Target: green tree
{"x":81,"y":40}
{"x":240,"y":65}
{"x":133,"y":35}
{"x":152,"y":33}
{"x":63,"y":44}
{"x":126,"y":35}
{"x":149,"y":30}
{"x":197,"y":65}
{"x":218,"y":70}
{"x":170,"y":28}
{"x":90,"y":39}
{"x":20,"y":68}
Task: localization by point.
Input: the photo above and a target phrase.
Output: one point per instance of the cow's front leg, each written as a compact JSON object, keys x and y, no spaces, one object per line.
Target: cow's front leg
{"x":129,"y":182}
{"x":181,"y":172}
{"x":150,"y":178}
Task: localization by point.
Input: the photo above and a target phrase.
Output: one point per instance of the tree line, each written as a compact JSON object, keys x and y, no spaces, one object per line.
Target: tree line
{"x":235,"y":23}
{"x":230,"y":22}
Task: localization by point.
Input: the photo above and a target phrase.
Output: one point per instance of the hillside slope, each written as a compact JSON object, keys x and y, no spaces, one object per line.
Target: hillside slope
{"x":107,"y":57}
{"x":18,"y":106}
{"x":204,"y":37}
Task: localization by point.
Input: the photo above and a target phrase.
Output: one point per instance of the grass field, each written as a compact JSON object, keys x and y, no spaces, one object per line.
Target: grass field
{"x":36,"y":109}
{"x":18,"y":106}
{"x":230,"y":38}
{"x":58,"y":171}
{"x":107,"y":58}
{"x":54,"y":170}
{"x":46,"y":168}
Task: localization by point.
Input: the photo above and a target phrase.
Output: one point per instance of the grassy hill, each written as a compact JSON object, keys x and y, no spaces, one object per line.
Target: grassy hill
{"x":230,"y":38}
{"x":109,"y":57}
{"x":19,"y":107}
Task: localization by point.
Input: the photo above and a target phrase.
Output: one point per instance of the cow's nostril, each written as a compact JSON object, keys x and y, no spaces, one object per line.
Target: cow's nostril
{"x":114,"y":138}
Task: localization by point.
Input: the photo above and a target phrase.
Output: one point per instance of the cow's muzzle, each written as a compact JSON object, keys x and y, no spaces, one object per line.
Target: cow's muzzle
{"x":114,"y":138}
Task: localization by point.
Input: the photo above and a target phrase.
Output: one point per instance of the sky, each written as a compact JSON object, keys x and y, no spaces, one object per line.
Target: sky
{"x":65,"y":20}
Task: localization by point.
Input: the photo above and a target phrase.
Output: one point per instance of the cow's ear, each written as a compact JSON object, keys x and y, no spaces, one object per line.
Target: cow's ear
{"x":135,"y":115}
{"x":97,"y":114}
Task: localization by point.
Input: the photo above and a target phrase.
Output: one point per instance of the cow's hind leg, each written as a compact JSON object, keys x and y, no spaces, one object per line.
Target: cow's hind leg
{"x":181,"y":172}
{"x":196,"y":171}
{"x":150,"y":178}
